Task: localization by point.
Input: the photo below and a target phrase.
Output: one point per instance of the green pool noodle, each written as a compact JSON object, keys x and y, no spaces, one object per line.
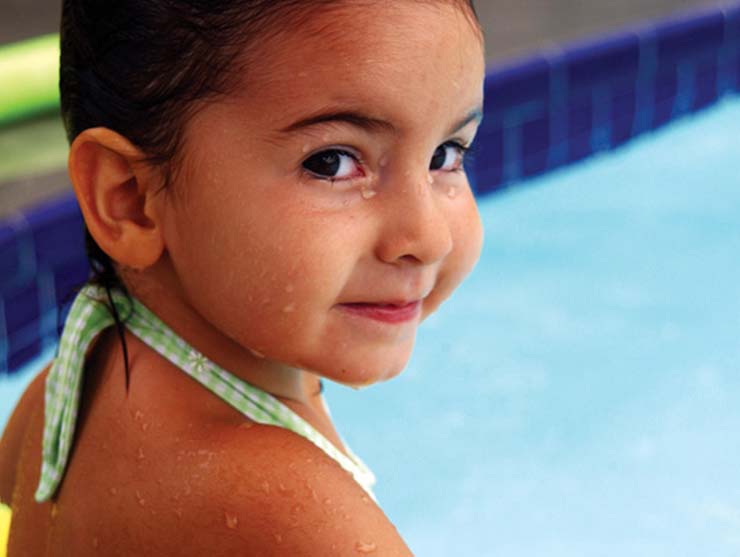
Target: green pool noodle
{"x":29,"y":78}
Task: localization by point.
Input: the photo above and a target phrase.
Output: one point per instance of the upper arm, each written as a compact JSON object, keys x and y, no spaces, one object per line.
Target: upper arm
{"x":15,"y":431}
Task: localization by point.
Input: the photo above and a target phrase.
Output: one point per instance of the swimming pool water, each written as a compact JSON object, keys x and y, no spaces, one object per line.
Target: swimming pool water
{"x":578,"y":396}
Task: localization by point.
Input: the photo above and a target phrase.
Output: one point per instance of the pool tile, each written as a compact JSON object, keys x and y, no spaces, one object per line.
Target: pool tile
{"x":609,"y":59}
{"x":57,"y":231}
{"x":516,"y":84}
{"x":690,"y":35}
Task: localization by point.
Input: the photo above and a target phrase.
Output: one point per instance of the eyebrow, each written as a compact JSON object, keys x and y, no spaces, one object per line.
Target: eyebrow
{"x":367,"y":123}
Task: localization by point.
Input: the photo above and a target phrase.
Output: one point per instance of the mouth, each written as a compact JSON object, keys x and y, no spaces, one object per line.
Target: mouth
{"x":392,"y":312}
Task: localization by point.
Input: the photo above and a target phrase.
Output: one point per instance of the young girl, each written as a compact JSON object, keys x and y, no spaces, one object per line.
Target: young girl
{"x":274,"y":194}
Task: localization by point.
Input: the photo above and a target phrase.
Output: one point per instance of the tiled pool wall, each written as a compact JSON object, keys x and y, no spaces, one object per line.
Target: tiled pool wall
{"x":543,"y":112}
{"x":563,"y":105}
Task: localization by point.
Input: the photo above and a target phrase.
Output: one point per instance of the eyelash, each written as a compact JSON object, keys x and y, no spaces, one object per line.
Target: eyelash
{"x":467,"y":153}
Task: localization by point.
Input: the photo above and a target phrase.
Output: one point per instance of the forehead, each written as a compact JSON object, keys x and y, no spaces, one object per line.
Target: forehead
{"x":396,"y":56}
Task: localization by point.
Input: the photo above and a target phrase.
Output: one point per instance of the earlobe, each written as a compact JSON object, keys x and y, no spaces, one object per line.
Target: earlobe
{"x":116,"y":192}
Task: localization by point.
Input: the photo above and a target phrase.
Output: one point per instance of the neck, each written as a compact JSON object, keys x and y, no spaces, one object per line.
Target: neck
{"x":280,"y":380}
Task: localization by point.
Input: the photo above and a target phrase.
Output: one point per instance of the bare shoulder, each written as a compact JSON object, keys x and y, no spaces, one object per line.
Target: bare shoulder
{"x":15,"y":431}
{"x":255,"y":490}
{"x":276,"y":493}
{"x":169,"y":469}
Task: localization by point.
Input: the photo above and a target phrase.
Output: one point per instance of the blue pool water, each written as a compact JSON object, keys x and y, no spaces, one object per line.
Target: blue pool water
{"x":579,"y":395}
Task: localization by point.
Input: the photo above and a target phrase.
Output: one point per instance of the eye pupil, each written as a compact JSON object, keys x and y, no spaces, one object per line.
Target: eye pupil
{"x":324,"y":164}
{"x":438,"y":160}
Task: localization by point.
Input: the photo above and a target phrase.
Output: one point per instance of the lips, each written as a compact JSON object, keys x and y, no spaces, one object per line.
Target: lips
{"x":385,"y":312}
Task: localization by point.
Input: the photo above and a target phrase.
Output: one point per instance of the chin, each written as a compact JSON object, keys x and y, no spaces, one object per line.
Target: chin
{"x":368,"y":371}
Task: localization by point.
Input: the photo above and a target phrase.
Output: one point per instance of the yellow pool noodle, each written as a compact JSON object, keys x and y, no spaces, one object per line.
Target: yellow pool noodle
{"x":29,"y":78}
{"x":4,"y":529}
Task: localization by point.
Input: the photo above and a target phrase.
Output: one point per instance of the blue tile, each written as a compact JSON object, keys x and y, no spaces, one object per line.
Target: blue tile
{"x":535,"y":164}
{"x":489,"y":180}
{"x":10,"y":256}
{"x":20,"y":355}
{"x":579,"y":147}
{"x":535,"y":136}
{"x":515,"y":84}
{"x":663,"y":112}
{"x":68,"y":278}
{"x":623,"y":101}
{"x":610,"y":59}
{"x":690,"y":35}
{"x":580,"y":116}
{"x":21,"y":307}
{"x":732,"y":23}
{"x":665,"y":87}
{"x":57,"y":231}
{"x":489,"y":148}
{"x":705,"y":86}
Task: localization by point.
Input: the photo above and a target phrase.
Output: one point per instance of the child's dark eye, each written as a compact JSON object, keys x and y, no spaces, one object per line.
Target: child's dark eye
{"x":448,"y":157}
{"x":333,"y":164}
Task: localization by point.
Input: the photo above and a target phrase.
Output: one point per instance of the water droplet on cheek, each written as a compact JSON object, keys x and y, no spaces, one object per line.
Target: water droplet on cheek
{"x":290,"y":308}
{"x":430,"y":179}
{"x":368,"y":194}
{"x":452,"y":192}
{"x":383,"y":162}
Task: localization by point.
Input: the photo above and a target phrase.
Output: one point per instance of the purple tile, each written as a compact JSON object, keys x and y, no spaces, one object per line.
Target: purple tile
{"x":10,"y":257}
{"x":689,"y":35}
{"x":57,"y":231}
{"x":607,"y":59}
{"x":516,"y":84}
{"x":623,"y":101}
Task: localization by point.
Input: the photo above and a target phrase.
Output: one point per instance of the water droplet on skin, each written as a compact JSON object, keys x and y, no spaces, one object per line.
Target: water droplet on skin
{"x":366,"y":548}
{"x":232,"y":521}
{"x":452,"y":192}
{"x":113,"y":491}
{"x":327,"y":501}
{"x":278,"y":538}
{"x":95,"y":543}
{"x":290,"y":308}
{"x":140,"y":499}
{"x":138,"y":415}
{"x":383,"y":162}
{"x":368,"y":194}
{"x":456,"y":85}
{"x":178,"y":513}
{"x":430,"y":179}
{"x":289,"y":289}
{"x":266,"y":486}
{"x":140,"y":454}
{"x":144,"y":426}
{"x":306,"y":148}
{"x":365,"y":500}
{"x":246,"y":425}
{"x":54,"y":510}
{"x":257,"y":354}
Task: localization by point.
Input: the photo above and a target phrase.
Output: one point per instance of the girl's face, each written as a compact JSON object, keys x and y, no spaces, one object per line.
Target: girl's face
{"x":322,"y":210}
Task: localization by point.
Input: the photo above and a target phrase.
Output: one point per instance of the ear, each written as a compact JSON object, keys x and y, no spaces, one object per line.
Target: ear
{"x":117,"y":194}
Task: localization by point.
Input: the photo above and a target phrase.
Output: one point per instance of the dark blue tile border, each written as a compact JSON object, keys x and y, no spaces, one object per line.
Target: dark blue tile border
{"x":561,"y":106}
{"x":542,"y":112}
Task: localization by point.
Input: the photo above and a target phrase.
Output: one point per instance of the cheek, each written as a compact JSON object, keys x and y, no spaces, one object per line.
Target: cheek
{"x":467,"y":235}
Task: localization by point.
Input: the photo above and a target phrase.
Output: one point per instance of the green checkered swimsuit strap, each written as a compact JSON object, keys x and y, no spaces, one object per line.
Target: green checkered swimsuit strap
{"x":89,"y":316}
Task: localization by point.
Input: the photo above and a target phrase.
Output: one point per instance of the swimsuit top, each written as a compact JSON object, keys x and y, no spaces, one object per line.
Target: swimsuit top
{"x":89,"y":315}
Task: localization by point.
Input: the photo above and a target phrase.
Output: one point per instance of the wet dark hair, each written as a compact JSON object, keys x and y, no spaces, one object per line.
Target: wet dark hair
{"x":138,"y":67}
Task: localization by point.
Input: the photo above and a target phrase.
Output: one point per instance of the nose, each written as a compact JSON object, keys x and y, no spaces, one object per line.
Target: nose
{"x":416,"y":224}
